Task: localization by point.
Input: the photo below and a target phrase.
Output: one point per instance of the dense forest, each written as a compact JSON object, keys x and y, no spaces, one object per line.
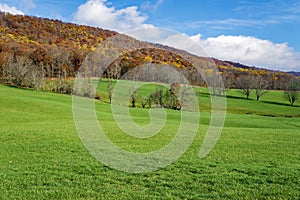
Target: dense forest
{"x":44,"y":54}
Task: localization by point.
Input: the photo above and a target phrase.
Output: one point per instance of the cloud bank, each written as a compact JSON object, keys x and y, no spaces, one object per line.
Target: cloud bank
{"x":251,"y":51}
{"x":100,"y":13}
{"x":243,"y":49}
{"x":11,"y":10}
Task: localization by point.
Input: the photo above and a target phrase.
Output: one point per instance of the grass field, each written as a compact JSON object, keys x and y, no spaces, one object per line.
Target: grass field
{"x":42,"y":157}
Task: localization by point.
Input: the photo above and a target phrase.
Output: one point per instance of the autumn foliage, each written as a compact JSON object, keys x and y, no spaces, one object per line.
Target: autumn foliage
{"x":36,"y":50}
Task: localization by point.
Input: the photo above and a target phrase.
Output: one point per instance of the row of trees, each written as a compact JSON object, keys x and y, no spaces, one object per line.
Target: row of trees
{"x":260,"y":86}
{"x":174,"y":97}
{"x":256,"y":83}
{"x":165,"y":98}
{"x":55,"y":75}
{"x":52,"y":60}
{"x":21,"y":71}
{"x":45,"y":54}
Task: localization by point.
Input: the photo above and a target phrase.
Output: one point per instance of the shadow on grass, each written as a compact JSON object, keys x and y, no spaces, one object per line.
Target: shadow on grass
{"x":254,"y":100}
{"x":267,"y":102}
{"x":234,"y":97}
{"x":278,"y":103}
{"x":207,"y":94}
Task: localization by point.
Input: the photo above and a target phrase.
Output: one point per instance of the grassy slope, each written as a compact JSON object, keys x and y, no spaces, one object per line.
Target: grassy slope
{"x":41,"y":155}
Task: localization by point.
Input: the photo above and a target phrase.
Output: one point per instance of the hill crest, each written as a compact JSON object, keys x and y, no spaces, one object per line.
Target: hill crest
{"x":57,"y":46}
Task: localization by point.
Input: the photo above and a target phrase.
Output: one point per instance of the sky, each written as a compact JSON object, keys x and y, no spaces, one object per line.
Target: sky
{"x":262,"y":33}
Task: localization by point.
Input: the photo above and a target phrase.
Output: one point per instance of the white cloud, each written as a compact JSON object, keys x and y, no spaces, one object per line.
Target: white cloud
{"x":27,"y":4}
{"x":12,"y":10}
{"x":100,"y":13}
{"x":251,"y":51}
{"x":149,"y":33}
{"x":151,"y":5}
{"x":246,"y":50}
{"x":243,"y":49}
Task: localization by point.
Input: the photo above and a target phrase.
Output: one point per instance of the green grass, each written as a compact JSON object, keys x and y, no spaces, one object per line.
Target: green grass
{"x":270,"y":104}
{"x":42,"y":157}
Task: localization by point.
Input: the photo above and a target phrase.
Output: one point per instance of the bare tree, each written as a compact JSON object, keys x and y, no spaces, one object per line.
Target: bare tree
{"x":62,"y":85}
{"x":133,"y":96}
{"x":260,"y":86}
{"x":6,"y":61}
{"x":158,"y":96}
{"x":291,"y":92}
{"x":35,"y":78}
{"x":185,"y":97}
{"x":173,"y":97}
{"x":149,"y":100}
{"x":114,"y":71}
{"x":215,"y":84}
{"x":245,"y":84}
{"x":229,"y":80}
{"x":110,"y":88}
{"x":84,"y":87}
{"x":144,"y":102}
{"x":18,"y":69}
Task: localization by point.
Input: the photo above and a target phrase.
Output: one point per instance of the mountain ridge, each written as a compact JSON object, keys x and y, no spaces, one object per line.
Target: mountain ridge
{"x":58,"y":46}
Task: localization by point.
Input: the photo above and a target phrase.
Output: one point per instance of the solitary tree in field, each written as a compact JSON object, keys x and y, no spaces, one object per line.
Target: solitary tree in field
{"x":245,"y":83}
{"x":215,"y":83}
{"x":291,"y":92}
{"x":260,"y":86}
{"x":110,"y":88}
{"x":133,"y":96}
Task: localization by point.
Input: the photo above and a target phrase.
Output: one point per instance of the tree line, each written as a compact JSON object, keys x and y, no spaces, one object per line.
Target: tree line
{"x":55,"y":72}
{"x":46,"y":54}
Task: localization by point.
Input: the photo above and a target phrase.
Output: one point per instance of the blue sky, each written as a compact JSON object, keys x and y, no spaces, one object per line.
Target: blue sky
{"x":264,"y":33}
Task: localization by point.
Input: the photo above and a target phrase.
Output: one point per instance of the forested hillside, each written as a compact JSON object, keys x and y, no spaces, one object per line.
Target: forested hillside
{"x":34,"y":51}
{"x":50,"y":44}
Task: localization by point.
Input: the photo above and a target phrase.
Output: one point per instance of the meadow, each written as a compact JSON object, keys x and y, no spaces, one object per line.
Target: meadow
{"x":42,"y":157}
